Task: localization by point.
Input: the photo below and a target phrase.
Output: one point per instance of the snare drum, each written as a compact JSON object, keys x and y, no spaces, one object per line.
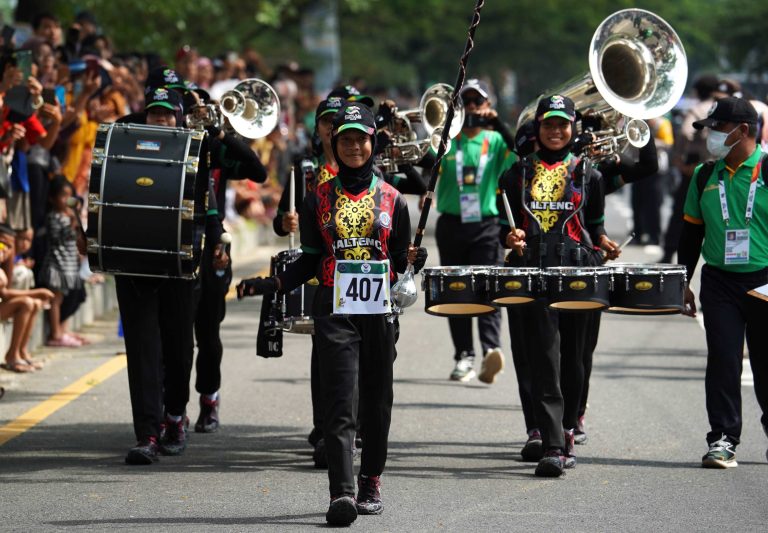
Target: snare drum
{"x":457,"y":291}
{"x":578,"y":288}
{"x":651,"y":289}
{"x":296,"y":305}
{"x":141,"y":204}
{"x":514,"y":286}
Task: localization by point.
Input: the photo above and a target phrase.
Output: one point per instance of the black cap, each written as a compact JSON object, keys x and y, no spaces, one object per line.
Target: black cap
{"x":351,"y":94}
{"x":163,"y":77}
{"x":728,"y":109}
{"x":162,"y":97}
{"x":354,"y":116}
{"x":556,"y":106}
{"x":473,"y":84}
{"x":330,"y":105}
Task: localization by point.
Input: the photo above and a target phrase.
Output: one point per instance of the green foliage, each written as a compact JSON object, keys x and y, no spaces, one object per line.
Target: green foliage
{"x":412,"y":43}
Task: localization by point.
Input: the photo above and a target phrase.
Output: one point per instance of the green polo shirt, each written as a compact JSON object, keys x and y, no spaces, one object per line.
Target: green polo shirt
{"x":499,"y":160}
{"x":706,"y":210}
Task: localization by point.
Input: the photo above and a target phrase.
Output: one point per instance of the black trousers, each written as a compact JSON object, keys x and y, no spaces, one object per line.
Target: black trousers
{"x":573,"y":329}
{"x":356,"y":354}
{"x":555,"y":347}
{"x":316,"y":389}
{"x":675,"y":225}
{"x":474,"y":243}
{"x":157,"y":320}
{"x":210,"y":314}
{"x":520,"y":354}
{"x":730,"y":313}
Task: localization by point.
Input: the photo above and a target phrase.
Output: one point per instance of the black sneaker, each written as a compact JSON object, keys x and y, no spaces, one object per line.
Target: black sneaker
{"x":579,"y":435}
{"x":342,"y":510}
{"x":208,"y":421}
{"x":174,"y":438}
{"x":552,"y":464}
{"x":369,"y":495}
{"x":319,"y":456}
{"x":144,"y":453}
{"x":569,"y":454}
{"x":533,"y":450}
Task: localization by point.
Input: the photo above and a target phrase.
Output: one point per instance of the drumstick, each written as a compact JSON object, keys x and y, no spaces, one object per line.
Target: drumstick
{"x":510,"y":218}
{"x":292,"y":206}
{"x":622,"y":245}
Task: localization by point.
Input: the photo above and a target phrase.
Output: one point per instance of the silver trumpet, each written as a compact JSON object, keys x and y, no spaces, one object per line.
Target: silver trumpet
{"x":637,"y":71}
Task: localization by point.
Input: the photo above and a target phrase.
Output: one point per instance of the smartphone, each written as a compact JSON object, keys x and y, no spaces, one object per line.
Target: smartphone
{"x":49,"y":96}
{"x":61,"y":95}
{"x":24,"y":63}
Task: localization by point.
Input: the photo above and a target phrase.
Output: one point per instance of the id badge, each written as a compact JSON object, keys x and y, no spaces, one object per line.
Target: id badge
{"x":736,"y":246}
{"x":470,"y":207}
{"x":361,"y":288}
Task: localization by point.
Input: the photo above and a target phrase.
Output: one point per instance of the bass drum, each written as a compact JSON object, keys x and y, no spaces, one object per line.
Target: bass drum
{"x":142,"y":216}
{"x":647,"y":289}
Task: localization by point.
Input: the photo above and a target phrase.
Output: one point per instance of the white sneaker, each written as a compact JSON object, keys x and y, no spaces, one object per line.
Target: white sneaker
{"x":493,"y":363}
{"x":464,"y":369}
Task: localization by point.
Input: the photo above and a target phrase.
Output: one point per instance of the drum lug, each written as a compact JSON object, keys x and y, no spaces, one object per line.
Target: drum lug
{"x":661,"y":282}
{"x":496,"y":284}
{"x":610,"y":282}
{"x":186,"y":251}
{"x":626,"y":282}
{"x":98,"y":156}
{"x":560,"y":283}
{"x":187,"y":209}
{"x":529,"y":283}
{"x":93,"y":202}
{"x":441,"y":283}
{"x":191,"y":165}
{"x":93,"y":246}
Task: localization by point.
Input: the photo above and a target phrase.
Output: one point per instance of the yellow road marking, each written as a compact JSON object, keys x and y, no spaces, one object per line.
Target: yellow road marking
{"x":46,"y":408}
{"x":232,"y":294}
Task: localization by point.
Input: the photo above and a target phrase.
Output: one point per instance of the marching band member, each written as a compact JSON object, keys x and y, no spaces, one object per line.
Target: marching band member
{"x":230,"y":159}
{"x":467,"y":226}
{"x":355,"y":231}
{"x":549,"y":236}
{"x":157,"y":317}
{"x":324,"y":168}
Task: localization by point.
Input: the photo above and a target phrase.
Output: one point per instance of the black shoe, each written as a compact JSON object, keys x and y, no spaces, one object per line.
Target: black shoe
{"x":144,"y":453}
{"x":208,"y":421}
{"x":533,"y":450}
{"x":342,"y":510}
{"x":319,"y":456}
{"x":369,"y":495}
{"x":579,"y":434}
{"x":174,"y":438}
{"x":569,"y":454}
{"x":552,"y":464}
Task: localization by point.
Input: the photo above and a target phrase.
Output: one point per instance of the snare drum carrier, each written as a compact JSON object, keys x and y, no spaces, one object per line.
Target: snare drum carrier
{"x":145,"y":214}
{"x":555,"y":203}
{"x":353,"y":239}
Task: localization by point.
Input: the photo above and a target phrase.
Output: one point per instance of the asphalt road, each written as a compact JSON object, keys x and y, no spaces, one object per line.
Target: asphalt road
{"x":454,"y":462}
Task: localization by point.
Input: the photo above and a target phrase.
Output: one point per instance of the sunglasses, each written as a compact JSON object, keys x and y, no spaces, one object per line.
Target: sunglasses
{"x":477,"y":100}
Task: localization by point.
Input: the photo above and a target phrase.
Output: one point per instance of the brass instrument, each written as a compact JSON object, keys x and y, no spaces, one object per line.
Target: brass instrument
{"x":405,"y":148}
{"x":251,"y":109}
{"x":637,"y":70}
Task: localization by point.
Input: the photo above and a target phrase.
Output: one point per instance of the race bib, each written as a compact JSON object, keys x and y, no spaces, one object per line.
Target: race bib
{"x":470,"y":207}
{"x":736,"y":246}
{"x":361,"y":288}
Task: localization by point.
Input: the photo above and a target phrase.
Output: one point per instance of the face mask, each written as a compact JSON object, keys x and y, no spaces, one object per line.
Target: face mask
{"x":716,"y":143}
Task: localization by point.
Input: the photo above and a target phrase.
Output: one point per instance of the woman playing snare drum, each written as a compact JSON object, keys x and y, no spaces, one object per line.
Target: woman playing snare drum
{"x":558,"y":206}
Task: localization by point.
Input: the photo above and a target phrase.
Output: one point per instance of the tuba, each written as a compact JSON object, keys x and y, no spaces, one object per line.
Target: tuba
{"x":405,"y":148}
{"x":637,"y":71}
{"x":251,"y":109}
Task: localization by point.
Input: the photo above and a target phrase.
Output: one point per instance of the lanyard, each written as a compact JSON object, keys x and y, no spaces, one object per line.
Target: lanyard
{"x":480,"y":166}
{"x":750,"y":197}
